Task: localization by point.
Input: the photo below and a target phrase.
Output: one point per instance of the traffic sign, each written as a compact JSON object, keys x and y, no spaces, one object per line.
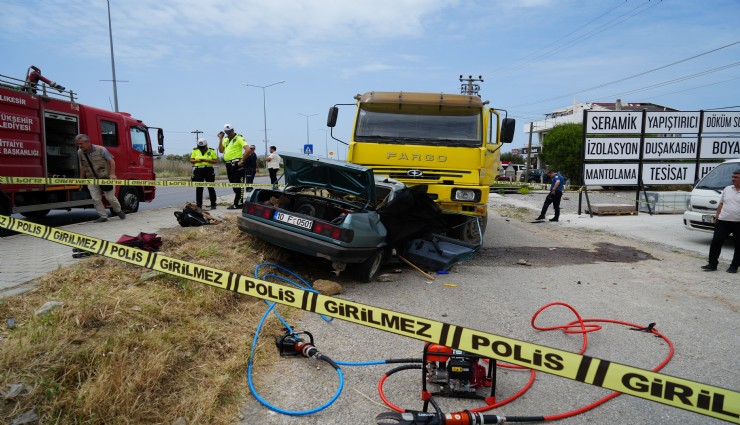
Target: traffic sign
{"x":308,"y":149}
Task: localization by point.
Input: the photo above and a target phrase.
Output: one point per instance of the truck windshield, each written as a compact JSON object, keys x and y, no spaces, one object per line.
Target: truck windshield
{"x":719,"y":178}
{"x":419,"y":125}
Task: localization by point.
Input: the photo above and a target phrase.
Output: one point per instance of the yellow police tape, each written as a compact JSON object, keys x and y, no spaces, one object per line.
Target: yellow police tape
{"x":74,"y":181}
{"x":681,"y":393}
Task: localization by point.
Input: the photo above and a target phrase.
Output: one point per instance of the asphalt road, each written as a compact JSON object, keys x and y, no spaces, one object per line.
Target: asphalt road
{"x":165,"y":197}
{"x":613,"y":274}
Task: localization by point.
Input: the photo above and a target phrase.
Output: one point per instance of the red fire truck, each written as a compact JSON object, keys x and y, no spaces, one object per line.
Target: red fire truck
{"x":39,"y":120}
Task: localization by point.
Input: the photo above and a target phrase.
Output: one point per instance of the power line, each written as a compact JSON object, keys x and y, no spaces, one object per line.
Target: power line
{"x":606,"y":26}
{"x":585,"y":36}
{"x":629,"y":77}
{"x":504,"y":69}
{"x":669,"y":82}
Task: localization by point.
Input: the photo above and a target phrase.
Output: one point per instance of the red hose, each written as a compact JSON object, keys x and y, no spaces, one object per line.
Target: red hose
{"x":584,"y":329}
{"x":579,"y":326}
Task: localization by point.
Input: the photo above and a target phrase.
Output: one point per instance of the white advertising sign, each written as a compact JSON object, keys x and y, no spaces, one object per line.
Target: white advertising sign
{"x":720,"y":147}
{"x":672,"y":122}
{"x":667,"y":173}
{"x":706,"y":167}
{"x":610,"y":174}
{"x":670,"y":148}
{"x":614,"y":122}
{"x":721,"y":122}
{"x":608,"y":148}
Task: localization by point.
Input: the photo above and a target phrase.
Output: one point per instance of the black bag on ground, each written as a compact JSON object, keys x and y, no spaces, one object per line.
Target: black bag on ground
{"x":190,"y":217}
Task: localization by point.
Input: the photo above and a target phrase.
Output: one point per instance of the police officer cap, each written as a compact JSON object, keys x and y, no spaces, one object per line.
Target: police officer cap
{"x":228,"y":127}
{"x":202,"y":143}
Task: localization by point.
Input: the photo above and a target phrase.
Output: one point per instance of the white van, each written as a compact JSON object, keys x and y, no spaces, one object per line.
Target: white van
{"x":704,"y":199}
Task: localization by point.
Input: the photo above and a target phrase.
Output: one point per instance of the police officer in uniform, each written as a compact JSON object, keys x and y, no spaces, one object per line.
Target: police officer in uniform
{"x":203,"y":159}
{"x":232,"y":146}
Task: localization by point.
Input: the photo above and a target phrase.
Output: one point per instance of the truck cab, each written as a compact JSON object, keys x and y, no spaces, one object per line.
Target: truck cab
{"x":448,"y":142}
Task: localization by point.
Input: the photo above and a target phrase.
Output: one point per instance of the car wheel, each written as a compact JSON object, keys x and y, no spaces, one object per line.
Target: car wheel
{"x":367,"y":270}
{"x":128,"y":197}
{"x":35,"y":214}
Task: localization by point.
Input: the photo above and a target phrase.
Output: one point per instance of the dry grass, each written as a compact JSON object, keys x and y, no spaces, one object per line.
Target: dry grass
{"x":169,"y":168}
{"x":127,"y":350}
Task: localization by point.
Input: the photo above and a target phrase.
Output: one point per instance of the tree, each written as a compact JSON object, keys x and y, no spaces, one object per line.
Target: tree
{"x":513,"y":158}
{"x":561,"y":150}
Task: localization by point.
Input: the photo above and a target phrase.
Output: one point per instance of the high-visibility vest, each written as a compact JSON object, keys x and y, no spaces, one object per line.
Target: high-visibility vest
{"x":233,"y":147}
{"x":201,"y":159}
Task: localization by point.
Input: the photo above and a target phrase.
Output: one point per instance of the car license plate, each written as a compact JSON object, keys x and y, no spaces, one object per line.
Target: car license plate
{"x":707,"y":218}
{"x":293,"y":220}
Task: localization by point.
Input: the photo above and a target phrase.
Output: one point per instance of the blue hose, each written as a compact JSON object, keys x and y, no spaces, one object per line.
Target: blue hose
{"x":271,"y":306}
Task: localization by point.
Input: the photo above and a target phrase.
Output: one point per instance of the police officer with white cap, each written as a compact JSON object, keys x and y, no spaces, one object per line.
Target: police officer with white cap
{"x":232,"y":146}
{"x":203,"y":159}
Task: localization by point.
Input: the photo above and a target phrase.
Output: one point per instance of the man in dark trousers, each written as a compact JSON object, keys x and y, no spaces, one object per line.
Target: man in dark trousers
{"x":203,"y":158}
{"x":250,"y":166}
{"x":232,"y":146}
{"x":556,"y":192}
{"x":726,"y":221}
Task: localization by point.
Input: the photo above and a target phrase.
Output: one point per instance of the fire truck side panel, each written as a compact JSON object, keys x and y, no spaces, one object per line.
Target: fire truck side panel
{"x":37,"y":140}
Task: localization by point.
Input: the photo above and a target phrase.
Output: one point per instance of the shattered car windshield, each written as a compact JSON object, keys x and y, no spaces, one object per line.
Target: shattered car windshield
{"x":419,"y":124}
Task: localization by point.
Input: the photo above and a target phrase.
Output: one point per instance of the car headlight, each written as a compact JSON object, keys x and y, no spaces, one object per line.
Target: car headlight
{"x":466,"y":195}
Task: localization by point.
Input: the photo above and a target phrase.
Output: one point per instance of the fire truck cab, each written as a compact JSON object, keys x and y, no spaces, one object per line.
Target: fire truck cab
{"x":38,"y":124}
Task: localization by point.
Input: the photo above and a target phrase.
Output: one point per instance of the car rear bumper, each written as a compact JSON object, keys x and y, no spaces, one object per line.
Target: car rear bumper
{"x":304,"y":244}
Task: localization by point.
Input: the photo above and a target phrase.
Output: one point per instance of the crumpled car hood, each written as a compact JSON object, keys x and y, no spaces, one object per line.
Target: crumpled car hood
{"x":309,"y":171}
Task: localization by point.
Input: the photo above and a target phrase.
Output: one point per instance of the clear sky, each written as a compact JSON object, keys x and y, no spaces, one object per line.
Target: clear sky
{"x":185,"y":60}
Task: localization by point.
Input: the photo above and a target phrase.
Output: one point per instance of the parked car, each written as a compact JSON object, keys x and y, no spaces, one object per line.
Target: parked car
{"x":702,"y":205}
{"x":327,"y":210}
{"x":535,"y":176}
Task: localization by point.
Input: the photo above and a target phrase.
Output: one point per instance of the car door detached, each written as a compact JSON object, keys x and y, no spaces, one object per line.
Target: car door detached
{"x":366,"y":271}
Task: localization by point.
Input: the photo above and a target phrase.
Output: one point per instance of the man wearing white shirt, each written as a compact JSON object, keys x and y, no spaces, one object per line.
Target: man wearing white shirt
{"x":726,"y":221}
{"x":273,"y":164}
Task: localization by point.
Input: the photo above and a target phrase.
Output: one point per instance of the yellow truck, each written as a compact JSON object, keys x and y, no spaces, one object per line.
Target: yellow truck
{"x":449,"y":142}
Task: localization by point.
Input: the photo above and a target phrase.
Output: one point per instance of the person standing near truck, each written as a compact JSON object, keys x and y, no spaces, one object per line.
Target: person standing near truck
{"x":232,"y":146}
{"x":556,"y":192}
{"x":726,"y":221}
{"x":203,"y":159}
{"x":273,"y":165}
{"x":250,"y":166}
{"x":97,"y":163}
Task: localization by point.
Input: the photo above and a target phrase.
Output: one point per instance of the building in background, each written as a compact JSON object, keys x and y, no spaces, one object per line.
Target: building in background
{"x":574,"y":114}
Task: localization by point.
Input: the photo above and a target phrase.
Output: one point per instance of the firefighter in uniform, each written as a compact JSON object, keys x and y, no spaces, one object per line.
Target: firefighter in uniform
{"x":203,"y":159}
{"x":232,"y":146}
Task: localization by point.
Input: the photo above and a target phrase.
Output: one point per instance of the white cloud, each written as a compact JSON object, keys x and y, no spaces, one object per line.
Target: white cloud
{"x":146,"y":30}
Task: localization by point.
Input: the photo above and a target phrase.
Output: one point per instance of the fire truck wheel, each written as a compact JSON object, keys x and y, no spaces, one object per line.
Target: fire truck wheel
{"x":129,"y":199}
{"x":35,"y":214}
{"x":367,"y":270}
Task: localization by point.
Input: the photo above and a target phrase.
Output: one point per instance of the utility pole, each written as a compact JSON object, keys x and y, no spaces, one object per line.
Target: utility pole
{"x":529,"y":152}
{"x":197,"y":135}
{"x":112,"y":60}
{"x":468,"y":87}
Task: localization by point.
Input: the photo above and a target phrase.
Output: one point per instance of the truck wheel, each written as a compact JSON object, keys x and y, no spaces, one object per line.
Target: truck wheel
{"x":35,"y":214}
{"x":469,"y":231}
{"x":366,"y":271}
{"x":128,"y":197}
